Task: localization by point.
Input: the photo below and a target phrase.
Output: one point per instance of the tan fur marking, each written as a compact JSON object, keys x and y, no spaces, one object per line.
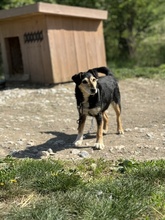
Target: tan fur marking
{"x":100,"y":134}
{"x":105,"y":123}
{"x":118,"y":118}
{"x":99,"y":141}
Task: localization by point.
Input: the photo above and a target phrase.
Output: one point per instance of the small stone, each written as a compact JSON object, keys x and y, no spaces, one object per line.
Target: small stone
{"x":50,"y":151}
{"x":28,"y":134}
{"x":111,"y":150}
{"x":17,"y":129}
{"x":43,"y":157}
{"x":162,"y":134}
{"x":142,"y":130}
{"x":120,"y":147}
{"x":30,"y":143}
{"x":75,"y":151}
{"x":43,"y":154}
{"x":20,"y":142}
{"x":150,"y":135}
{"x":10,"y":142}
{"x":136,"y":152}
{"x":128,"y":129}
{"x":84,"y":154}
{"x":146,"y":146}
{"x":8,"y":126}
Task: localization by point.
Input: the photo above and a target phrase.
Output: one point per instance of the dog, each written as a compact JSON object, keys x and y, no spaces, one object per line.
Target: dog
{"x":94,"y":94}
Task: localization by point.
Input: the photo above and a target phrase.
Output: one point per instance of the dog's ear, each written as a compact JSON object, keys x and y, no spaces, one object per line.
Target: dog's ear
{"x":94,"y":73}
{"x":77,"y":78}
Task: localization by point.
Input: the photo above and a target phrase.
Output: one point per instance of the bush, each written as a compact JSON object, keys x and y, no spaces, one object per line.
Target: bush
{"x":150,"y":54}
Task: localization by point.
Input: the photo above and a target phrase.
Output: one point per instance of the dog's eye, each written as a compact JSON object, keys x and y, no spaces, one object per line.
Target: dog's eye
{"x":93,"y":79}
{"x":84,"y":82}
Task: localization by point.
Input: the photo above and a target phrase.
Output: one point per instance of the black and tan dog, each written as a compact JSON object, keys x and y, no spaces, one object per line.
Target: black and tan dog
{"x":94,"y":95}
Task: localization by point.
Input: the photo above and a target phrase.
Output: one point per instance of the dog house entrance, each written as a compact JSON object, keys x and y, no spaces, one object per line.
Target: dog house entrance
{"x":14,"y":56}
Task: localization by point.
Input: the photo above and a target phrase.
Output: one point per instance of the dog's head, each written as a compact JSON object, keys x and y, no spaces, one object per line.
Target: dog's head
{"x":87,"y":81}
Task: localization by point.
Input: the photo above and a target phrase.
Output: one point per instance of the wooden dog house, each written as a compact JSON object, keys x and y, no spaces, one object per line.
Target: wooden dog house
{"x":48,"y":43}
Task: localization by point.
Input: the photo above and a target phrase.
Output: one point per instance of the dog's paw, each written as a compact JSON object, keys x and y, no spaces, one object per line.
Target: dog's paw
{"x":77,"y":143}
{"x":99,"y":146}
{"x":105,"y":132}
{"x":120,"y":131}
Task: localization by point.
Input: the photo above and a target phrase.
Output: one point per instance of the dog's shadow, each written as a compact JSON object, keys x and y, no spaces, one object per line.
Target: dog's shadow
{"x":61,"y":141}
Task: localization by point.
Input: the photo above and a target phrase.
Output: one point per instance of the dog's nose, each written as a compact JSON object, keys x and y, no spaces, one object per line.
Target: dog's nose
{"x":93,"y":90}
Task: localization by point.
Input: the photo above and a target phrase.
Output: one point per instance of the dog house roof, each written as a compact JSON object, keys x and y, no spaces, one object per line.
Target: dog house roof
{"x":53,"y":9}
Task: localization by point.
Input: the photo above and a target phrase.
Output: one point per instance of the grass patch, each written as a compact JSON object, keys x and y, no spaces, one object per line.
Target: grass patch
{"x":88,"y":189}
{"x":145,"y":72}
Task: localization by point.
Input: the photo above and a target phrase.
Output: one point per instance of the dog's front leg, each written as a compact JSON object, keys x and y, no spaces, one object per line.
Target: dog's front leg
{"x":79,"y":139}
{"x":99,"y":141}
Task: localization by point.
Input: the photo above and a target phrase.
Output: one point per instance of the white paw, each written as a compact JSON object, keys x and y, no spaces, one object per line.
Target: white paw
{"x":78,"y":143}
{"x":120,"y":132}
{"x":99,"y":146}
{"x":105,"y":131}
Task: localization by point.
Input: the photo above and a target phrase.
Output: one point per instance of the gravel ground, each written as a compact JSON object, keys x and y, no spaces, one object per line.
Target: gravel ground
{"x":41,"y":122}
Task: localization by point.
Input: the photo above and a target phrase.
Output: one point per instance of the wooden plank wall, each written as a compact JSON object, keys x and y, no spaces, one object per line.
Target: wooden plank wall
{"x":62,"y":49}
{"x":76,"y":45}
{"x":35,"y":55}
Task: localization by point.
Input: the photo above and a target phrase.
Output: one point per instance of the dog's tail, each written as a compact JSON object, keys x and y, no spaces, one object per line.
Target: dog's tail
{"x":102,"y":69}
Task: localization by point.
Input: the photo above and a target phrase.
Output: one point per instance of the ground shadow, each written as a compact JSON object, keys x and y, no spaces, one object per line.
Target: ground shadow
{"x":59,"y":142}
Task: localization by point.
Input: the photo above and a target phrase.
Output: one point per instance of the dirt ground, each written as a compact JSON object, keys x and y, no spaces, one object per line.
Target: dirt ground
{"x":41,"y":122}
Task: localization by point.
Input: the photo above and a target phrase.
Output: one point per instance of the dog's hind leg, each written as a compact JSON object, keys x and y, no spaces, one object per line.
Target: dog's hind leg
{"x":118,"y":118}
{"x":105,"y":123}
{"x":79,"y":138}
{"x":99,"y":145}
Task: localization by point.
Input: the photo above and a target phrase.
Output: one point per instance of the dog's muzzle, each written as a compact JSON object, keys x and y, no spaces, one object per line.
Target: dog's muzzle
{"x":93,"y":91}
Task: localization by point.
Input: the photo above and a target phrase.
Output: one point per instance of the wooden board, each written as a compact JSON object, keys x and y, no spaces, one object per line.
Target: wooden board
{"x":75,"y":45}
{"x":55,"y":9}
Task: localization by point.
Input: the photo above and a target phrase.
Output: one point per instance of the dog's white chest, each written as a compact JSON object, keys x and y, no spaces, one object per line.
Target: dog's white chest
{"x":92,"y":111}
